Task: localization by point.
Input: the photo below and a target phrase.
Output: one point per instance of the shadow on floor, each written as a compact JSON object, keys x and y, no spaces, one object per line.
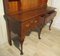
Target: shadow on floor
{"x":16,"y":42}
{"x":16,"y":39}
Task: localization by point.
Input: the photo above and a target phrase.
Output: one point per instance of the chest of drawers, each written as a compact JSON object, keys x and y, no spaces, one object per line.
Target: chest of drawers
{"x":21,"y":27}
{"x":24,"y":16}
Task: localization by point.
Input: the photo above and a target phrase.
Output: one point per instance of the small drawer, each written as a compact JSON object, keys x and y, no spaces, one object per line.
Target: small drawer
{"x":37,"y":21}
{"x":34,"y":23}
{"x":49,"y":16}
{"x":26,"y":25}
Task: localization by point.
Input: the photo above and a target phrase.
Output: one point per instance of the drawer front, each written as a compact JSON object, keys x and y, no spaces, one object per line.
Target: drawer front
{"x":49,"y":16}
{"x":25,"y":26}
{"x":36,"y":22}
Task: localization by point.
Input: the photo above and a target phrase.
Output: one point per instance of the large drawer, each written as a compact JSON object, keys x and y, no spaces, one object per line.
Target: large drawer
{"x":49,"y":16}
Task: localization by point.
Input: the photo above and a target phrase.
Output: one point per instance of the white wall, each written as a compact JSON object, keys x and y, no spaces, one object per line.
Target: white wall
{"x":49,"y":2}
{"x":3,"y":32}
{"x":56,"y":3}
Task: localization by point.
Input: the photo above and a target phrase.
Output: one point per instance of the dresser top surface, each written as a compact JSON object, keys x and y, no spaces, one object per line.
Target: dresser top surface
{"x":29,"y":14}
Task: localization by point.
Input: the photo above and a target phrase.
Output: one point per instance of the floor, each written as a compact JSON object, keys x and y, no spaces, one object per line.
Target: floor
{"x":48,"y":45}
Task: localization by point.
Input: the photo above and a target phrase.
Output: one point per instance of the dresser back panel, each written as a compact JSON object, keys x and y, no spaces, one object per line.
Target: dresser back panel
{"x":29,"y":4}
{"x":14,"y":6}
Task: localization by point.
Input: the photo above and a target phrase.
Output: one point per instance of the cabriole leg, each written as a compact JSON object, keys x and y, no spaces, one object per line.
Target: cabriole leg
{"x":50,"y":24}
{"x":21,"y":48}
{"x":21,"y":39}
{"x":39,"y":32}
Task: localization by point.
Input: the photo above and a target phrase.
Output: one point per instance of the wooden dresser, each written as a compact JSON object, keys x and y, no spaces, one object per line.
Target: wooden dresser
{"x":23,"y":16}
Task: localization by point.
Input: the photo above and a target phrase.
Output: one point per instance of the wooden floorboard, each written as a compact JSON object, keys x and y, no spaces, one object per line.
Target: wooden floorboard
{"x":48,"y":45}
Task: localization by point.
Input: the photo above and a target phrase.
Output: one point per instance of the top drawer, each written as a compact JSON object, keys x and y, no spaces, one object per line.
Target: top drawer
{"x":49,"y":16}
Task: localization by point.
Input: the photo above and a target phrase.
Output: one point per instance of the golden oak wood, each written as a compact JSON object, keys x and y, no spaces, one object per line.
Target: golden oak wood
{"x":25,"y":15}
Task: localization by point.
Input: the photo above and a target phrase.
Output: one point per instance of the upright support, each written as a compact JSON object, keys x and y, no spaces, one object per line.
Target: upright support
{"x":39,"y":32}
{"x":21,"y":47}
{"x":50,"y":24}
{"x":9,"y":34}
{"x":8,"y":30}
{"x":21,"y":39}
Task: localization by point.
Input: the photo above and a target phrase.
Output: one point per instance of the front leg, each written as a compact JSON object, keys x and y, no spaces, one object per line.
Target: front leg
{"x":21,"y":39}
{"x":21,"y":42}
{"x":50,"y":24}
{"x":9,"y":37}
{"x":39,"y":32}
{"x":9,"y":32}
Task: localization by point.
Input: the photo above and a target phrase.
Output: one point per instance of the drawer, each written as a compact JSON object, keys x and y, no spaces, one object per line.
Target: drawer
{"x":36,"y":22}
{"x":25,"y":26}
{"x":49,"y":16}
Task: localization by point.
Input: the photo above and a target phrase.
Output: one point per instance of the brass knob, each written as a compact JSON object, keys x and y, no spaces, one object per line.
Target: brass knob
{"x":27,"y":25}
{"x":35,"y":21}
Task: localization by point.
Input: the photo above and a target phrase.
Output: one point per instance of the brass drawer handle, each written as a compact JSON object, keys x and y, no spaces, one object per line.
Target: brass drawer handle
{"x":35,"y":21}
{"x":27,"y":25}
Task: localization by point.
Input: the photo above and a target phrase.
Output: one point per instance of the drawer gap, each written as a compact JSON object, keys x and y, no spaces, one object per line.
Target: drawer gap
{"x":51,"y":12}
